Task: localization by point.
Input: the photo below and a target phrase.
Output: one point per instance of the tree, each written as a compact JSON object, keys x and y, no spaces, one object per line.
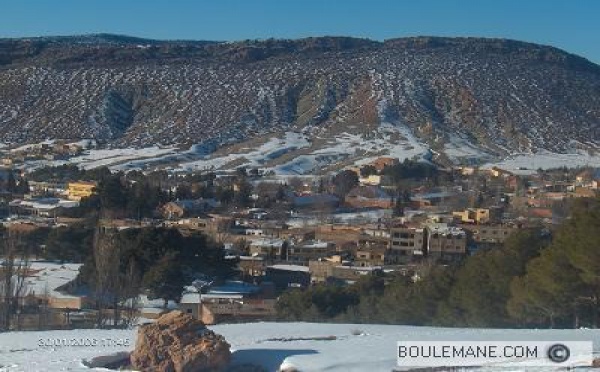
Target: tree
{"x":242,"y":196}
{"x":164,"y":279}
{"x":14,"y":269}
{"x":344,"y":182}
{"x":546,"y":293}
{"x":482,"y":288}
{"x":368,"y":170}
{"x":577,"y":238}
{"x":107,"y":287}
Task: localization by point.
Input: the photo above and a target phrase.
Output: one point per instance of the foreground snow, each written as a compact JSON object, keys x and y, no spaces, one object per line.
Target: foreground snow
{"x":273,"y":345}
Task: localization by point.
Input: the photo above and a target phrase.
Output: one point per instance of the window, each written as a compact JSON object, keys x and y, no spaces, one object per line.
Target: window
{"x":189,"y":311}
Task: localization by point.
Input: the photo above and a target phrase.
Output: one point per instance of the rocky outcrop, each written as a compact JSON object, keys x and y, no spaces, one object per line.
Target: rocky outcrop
{"x":177,"y":342}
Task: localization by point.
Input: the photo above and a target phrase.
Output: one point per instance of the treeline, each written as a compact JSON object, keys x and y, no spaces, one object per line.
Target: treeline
{"x":533,"y":281}
{"x":158,"y":262}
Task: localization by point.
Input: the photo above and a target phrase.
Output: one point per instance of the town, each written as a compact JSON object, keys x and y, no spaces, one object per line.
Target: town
{"x":67,"y":231}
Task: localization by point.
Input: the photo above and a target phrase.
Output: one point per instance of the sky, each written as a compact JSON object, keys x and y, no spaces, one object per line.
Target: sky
{"x":572,"y":25}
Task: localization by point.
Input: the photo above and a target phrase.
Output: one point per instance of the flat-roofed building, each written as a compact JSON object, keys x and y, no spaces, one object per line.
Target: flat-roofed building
{"x":80,"y":189}
{"x":444,"y":242}
{"x":406,"y":244}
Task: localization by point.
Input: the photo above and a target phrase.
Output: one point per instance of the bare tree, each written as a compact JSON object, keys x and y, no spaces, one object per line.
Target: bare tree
{"x":107,"y":291}
{"x":15,"y":268}
{"x":131,"y":284}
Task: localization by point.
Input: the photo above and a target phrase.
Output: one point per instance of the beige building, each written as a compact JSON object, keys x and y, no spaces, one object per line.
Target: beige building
{"x":406,"y":244}
{"x":445,"y":242}
{"x":79,"y":190}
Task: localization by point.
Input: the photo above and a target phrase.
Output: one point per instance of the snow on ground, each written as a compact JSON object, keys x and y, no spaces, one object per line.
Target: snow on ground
{"x":529,"y":163}
{"x":111,"y":157}
{"x":49,"y":276}
{"x":388,"y":140}
{"x":460,"y":149}
{"x":32,"y":146}
{"x":354,"y":347}
{"x":293,"y":153}
{"x":254,"y":157}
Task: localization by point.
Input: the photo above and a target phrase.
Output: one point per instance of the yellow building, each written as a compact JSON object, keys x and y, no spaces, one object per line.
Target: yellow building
{"x":79,"y":190}
{"x":372,"y":180}
{"x":475,"y":215}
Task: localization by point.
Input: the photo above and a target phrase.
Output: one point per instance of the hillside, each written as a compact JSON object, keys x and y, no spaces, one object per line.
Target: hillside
{"x":459,"y":97}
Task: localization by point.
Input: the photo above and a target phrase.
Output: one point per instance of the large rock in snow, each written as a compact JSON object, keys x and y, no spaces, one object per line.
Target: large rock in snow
{"x":177,"y":342}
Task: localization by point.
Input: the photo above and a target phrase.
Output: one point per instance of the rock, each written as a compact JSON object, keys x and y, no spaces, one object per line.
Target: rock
{"x":177,"y":342}
{"x":112,"y":361}
{"x":596,"y":363}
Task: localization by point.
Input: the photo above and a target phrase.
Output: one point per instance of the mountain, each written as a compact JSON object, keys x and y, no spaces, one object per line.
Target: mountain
{"x":458,"y":97}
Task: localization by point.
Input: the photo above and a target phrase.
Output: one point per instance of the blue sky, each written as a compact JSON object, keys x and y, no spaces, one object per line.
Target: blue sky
{"x":573,"y":25}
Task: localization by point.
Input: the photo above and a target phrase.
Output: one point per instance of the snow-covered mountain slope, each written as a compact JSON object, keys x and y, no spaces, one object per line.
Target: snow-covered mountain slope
{"x":463,"y":97}
{"x":354,"y":347}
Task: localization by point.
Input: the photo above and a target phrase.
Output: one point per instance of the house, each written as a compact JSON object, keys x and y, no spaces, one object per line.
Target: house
{"x":369,"y":197}
{"x":252,"y":266}
{"x":336,"y":271}
{"x":428,"y":199}
{"x":406,"y":244}
{"x":445,"y":242}
{"x":499,"y":172}
{"x":489,"y":236}
{"x":302,"y":252}
{"x":271,"y":248}
{"x":479,"y":215}
{"x":371,"y":180}
{"x":370,"y":256}
{"x":188,"y":208}
{"x":80,"y":189}
{"x":288,"y":276}
{"x":316,"y":202}
{"x":45,"y":207}
{"x":382,"y":162}
{"x":233,"y":300}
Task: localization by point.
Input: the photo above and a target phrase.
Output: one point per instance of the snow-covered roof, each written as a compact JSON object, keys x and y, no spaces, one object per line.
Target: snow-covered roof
{"x":268,"y":242}
{"x":290,"y":268}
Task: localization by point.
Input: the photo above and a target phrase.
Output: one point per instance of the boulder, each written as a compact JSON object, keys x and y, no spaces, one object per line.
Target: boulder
{"x":177,"y":342}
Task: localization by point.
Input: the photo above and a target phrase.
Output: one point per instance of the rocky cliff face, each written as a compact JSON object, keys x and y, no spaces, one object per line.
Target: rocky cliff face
{"x":504,"y":96}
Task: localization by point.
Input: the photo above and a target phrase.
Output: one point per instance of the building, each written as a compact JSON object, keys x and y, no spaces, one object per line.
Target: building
{"x":288,"y":276}
{"x":382,"y":162}
{"x":371,"y":250}
{"x":315,"y":202}
{"x":444,"y":242}
{"x":489,"y":236}
{"x":271,"y":248}
{"x":371,"y":256}
{"x":406,"y":244}
{"x":233,"y":300}
{"x":188,"y":208}
{"x":80,"y":189}
{"x":301,"y":253}
{"x":335,"y":271}
{"x":369,"y":197}
{"x":371,"y":180}
{"x":479,"y":216}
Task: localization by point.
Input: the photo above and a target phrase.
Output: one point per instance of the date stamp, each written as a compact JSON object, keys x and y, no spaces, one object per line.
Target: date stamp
{"x":83,"y":342}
